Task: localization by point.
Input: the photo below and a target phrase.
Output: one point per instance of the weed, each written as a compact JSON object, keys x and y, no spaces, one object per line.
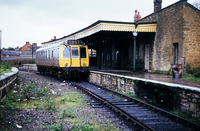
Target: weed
{"x":1,"y":116}
{"x":82,"y":127}
{"x":55,"y":127}
{"x":28,"y":122}
{"x":68,"y":113}
{"x":188,"y":68}
{"x":37,"y":105}
{"x":191,"y":77}
{"x":43,"y":91}
{"x":28,"y":91}
{"x":9,"y":102}
{"x":49,"y":103}
{"x":136,"y":81}
{"x":18,"y":81}
{"x":5,"y":67}
{"x":181,"y":114}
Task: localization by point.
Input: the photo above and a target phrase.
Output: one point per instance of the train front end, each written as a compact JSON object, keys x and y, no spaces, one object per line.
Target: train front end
{"x":74,"y":59}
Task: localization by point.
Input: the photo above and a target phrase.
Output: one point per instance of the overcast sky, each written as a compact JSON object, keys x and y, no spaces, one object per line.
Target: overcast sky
{"x":38,"y":21}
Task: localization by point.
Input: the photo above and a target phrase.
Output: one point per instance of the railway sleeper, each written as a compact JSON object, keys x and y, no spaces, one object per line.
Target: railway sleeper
{"x":134,"y":108}
{"x":122,"y":103}
{"x":145,"y":113}
{"x":151,"y":119}
{"x":127,"y":106}
{"x":170,"y":128}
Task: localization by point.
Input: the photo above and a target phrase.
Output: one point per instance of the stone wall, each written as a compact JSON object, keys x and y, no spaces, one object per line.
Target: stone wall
{"x":165,"y":95}
{"x":189,"y":103}
{"x":191,"y":36}
{"x":176,"y":24}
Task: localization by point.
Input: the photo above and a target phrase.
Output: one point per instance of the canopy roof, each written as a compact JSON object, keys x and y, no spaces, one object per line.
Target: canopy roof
{"x":101,"y":26}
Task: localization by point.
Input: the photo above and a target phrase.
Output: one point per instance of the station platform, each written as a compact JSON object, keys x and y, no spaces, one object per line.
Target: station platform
{"x":142,"y":75}
{"x":150,"y":76}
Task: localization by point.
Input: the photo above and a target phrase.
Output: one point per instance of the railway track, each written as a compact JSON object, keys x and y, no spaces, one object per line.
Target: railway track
{"x":140,"y":115}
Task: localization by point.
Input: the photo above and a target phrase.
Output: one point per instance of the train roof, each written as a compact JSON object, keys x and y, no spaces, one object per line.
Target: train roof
{"x":66,"y":42}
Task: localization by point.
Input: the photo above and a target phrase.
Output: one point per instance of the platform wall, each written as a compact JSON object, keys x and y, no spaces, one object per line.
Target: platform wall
{"x":175,"y":97}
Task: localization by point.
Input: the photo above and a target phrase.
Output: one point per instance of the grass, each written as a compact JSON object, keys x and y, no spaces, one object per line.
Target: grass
{"x":191,"y":77}
{"x":183,"y":115}
{"x":5,"y":67}
{"x":130,"y":95}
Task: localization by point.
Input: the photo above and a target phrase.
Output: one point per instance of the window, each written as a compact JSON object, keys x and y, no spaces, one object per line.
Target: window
{"x":66,"y":52}
{"x":74,"y":52}
{"x":83,"y":52}
{"x":92,"y":52}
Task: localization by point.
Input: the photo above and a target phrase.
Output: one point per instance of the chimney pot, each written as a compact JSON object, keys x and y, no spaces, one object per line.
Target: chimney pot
{"x":157,"y":5}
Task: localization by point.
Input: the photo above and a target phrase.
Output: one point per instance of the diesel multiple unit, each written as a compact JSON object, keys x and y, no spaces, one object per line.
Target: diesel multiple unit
{"x":69,"y":59}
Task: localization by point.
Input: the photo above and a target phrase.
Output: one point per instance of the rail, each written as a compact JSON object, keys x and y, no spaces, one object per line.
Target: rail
{"x":7,"y":82}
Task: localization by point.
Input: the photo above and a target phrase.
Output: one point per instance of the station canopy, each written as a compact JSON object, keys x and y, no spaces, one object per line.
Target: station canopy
{"x":106,"y":28}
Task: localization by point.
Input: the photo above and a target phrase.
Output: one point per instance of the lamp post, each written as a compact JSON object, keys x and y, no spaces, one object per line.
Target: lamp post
{"x":134,"y":50}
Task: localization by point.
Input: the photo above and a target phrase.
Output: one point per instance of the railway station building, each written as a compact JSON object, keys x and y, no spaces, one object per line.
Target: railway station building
{"x":167,"y":36}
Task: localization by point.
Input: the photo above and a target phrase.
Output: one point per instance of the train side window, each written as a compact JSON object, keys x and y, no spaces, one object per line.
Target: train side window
{"x":74,"y":52}
{"x":66,"y":52}
{"x":83,"y":52}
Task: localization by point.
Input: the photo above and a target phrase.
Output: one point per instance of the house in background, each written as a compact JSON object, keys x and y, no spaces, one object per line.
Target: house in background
{"x":28,"y":49}
{"x":5,"y":53}
{"x":25,"y":47}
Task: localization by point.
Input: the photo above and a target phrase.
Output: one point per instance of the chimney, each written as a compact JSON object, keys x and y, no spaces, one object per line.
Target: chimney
{"x":137,"y":16}
{"x":157,"y":5}
{"x":27,"y":42}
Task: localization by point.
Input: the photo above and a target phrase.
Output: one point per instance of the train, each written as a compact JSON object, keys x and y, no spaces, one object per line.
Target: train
{"x":68,"y":59}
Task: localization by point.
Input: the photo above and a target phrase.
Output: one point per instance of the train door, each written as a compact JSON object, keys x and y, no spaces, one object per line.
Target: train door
{"x":75,"y":60}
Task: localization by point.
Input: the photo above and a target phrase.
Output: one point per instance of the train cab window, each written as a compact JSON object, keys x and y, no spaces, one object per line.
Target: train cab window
{"x":66,"y":52}
{"x":74,"y":52}
{"x":83,"y":52}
